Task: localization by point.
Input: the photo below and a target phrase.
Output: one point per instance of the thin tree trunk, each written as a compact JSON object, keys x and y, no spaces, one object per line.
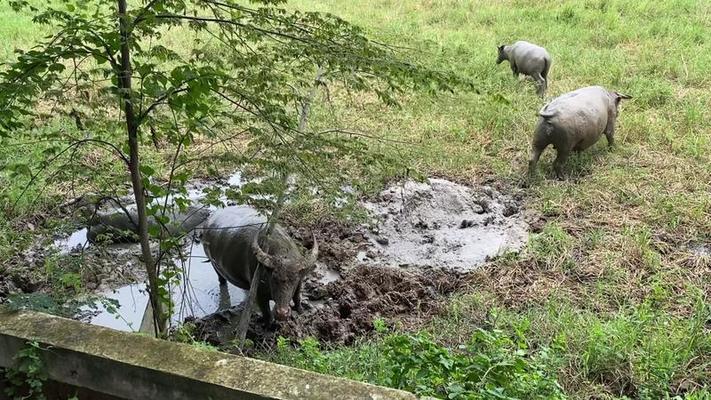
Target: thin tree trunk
{"x":134,"y":167}
{"x":245,"y":316}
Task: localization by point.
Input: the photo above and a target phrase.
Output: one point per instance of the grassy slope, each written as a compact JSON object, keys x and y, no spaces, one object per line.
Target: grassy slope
{"x":607,"y":285}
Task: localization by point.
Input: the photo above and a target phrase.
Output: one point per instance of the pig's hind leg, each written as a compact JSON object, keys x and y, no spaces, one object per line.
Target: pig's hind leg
{"x":541,"y":84}
{"x":561,"y":158}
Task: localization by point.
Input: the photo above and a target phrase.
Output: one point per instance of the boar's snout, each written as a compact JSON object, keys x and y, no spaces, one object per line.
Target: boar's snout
{"x":281,"y":313}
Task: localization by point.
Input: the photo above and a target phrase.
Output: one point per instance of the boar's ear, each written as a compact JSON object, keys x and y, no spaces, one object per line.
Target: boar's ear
{"x":265,"y":259}
{"x":622,"y":95}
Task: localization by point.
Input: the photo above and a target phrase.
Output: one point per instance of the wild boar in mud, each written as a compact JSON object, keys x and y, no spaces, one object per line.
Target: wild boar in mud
{"x":122,"y":225}
{"x":575,"y":121}
{"x":528,"y":59}
{"x":235,"y":240}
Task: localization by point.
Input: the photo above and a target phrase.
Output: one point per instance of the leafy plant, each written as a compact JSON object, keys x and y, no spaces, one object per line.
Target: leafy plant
{"x":41,"y":302}
{"x":58,"y":305}
{"x":185,"y":333}
{"x":490,"y":366}
{"x":27,"y":377}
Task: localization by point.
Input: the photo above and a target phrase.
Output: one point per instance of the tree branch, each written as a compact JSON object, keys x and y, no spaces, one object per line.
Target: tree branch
{"x":73,"y":145}
{"x":365,"y":135}
{"x":223,"y":21}
{"x":158,"y":102}
{"x":141,"y":15}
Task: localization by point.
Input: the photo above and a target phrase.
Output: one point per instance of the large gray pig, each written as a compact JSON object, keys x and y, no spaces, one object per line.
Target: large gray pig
{"x":232,"y":238}
{"x":528,"y":59}
{"x":575,"y":121}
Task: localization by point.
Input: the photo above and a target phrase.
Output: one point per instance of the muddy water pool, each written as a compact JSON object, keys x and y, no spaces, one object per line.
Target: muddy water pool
{"x":443,"y":224}
{"x":414,"y":225}
{"x":199,"y":294}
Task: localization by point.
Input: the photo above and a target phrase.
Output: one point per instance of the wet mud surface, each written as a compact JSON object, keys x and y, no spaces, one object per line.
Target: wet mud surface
{"x":99,"y":268}
{"x":419,"y":245}
{"x":343,"y":310}
{"x":443,"y":224}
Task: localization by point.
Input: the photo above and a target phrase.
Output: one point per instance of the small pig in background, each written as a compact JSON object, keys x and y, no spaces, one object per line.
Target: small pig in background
{"x":528,"y":59}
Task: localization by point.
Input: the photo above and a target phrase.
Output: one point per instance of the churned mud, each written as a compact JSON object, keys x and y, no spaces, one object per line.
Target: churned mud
{"x":340,"y":311}
{"x":419,"y":245}
{"x":443,"y":224}
{"x":30,"y":270}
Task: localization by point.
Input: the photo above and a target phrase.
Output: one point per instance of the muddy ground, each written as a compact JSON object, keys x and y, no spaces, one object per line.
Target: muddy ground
{"x":439,"y":223}
{"x":424,"y":241}
{"x":418,"y":247}
{"x":30,"y":270}
{"x":341,"y":311}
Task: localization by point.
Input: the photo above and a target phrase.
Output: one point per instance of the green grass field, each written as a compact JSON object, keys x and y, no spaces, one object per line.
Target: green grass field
{"x":610,"y":298}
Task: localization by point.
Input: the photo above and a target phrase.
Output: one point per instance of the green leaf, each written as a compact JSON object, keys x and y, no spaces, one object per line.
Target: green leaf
{"x":147,"y":170}
{"x":56,"y":67}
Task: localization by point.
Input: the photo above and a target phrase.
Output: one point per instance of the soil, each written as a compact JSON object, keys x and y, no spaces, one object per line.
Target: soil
{"x":386,"y":268}
{"x":343,"y":310}
{"x":444,"y":224}
{"x":421,"y":245}
{"x":30,"y":271}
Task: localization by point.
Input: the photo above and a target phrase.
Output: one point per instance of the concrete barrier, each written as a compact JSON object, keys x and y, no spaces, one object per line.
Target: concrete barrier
{"x":129,"y":366}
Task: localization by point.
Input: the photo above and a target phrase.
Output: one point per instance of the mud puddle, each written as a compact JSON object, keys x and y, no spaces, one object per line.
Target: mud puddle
{"x":198,"y":295}
{"x":125,"y":305}
{"x":422,"y":241}
{"x":440,"y":223}
{"x":77,"y":241}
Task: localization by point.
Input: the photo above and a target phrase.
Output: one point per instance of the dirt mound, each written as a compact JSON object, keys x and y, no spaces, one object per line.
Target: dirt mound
{"x":346,"y":308}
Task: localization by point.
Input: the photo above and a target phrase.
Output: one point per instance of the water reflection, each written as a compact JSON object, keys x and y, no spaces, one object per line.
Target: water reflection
{"x":199,"y":294}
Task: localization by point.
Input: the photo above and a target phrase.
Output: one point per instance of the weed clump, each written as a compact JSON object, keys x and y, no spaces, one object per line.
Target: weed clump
{"x":490,"y":365}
